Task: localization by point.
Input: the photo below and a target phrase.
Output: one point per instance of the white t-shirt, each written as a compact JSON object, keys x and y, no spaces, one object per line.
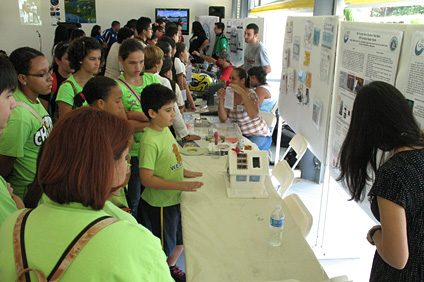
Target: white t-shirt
{"x":179,"y":67}
{"x":113,"y":66}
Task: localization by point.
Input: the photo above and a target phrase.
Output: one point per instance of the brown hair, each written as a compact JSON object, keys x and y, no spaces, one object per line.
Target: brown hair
{"x":79,"y":157}
{"x":152,"y":56}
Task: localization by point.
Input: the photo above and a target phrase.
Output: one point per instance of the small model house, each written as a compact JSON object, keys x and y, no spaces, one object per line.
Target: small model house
{"x":247,"y":170}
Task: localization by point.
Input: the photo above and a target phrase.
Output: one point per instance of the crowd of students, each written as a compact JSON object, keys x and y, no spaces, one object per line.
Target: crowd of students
{"x":111,"y":152}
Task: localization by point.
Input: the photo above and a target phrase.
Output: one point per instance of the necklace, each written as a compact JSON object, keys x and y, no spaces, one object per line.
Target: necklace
{"x":32,"y":101}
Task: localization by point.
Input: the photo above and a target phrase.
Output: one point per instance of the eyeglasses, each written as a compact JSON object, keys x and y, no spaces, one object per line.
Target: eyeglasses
{"x":41,"y":75}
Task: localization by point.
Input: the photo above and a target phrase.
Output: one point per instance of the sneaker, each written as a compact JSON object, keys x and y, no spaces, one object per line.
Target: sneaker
{"x":177,"y":274}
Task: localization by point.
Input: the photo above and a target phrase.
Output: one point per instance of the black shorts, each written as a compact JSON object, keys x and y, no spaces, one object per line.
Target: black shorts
{"x":165,"y":223}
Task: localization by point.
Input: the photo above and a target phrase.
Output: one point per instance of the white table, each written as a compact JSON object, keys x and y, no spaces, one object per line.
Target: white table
{"x":227,"y":239}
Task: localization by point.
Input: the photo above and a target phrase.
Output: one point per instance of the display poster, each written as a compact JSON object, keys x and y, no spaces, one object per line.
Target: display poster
{"x":235,"y":35}
{"x":413,"y":89}
{"x":80,"y":11}
{"x":54,"y":12}
{"x":365,"y":55}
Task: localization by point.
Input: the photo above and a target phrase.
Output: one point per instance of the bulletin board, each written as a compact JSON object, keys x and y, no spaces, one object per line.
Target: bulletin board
{"x":307,"y":78}
{"x":234,"y":31}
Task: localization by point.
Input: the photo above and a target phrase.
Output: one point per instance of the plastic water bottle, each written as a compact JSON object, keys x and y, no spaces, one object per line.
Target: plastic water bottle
{"x":276,"y":225}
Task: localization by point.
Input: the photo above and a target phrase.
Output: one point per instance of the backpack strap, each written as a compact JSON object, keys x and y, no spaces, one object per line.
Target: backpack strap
{"x":73,"y":86}
{"x":34,"y":113}
{"x":130,"y":88}
{"x":68,"y":255}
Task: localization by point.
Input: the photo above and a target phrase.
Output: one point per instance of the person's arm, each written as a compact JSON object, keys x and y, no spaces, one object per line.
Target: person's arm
{"x":391,"y":241}
{"x":262,"y":94}
{"x":207,"y":58}
{"x":267,"y":68}
{"x":191,"y":174}
{"x":6,"y":165}
{"x":182,"y":83}
{"x":151,"y":181}
{"x":18,"y":201}
{"x":251,"y":107}
{"x":138,"y":116}
{"x":204,"y":44}
{"x":222,"y":112}
{"x":63,"y":108}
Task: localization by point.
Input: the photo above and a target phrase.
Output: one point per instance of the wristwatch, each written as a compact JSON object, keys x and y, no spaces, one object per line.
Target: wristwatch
{"x":372,"y":232}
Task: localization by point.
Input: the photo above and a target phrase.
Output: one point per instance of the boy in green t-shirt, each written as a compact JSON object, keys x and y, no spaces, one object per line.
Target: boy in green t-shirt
{"x":162,"y":173}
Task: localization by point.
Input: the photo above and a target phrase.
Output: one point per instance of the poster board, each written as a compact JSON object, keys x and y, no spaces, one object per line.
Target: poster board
{"x":383,"y":52}
{"x":307,"y":78}
{"x":234,"y":31}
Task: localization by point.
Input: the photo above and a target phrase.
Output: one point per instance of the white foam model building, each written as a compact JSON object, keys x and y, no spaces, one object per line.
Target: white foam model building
{"x":247,"y":170}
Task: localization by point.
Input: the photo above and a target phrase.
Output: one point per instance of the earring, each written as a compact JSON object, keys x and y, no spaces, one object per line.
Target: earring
{"x":80,"y":62}
{"x":24,"y":83}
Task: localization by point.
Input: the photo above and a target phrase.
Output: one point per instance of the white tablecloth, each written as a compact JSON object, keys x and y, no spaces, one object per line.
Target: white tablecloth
{"x":227,"y":239}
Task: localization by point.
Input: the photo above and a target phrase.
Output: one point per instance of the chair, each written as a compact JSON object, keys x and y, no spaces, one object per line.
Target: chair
{"x":271,"y":121}
{"x":285,"y":176}
{"x":297,"y":145}
{"x":300,"y":213}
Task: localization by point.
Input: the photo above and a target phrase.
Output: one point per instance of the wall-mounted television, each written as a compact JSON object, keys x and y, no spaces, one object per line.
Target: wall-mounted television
{"x":175,"y":15}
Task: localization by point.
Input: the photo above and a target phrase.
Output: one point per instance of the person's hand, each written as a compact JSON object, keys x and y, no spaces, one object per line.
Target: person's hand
{"x":195,"y":53}
{"x":221,"y":94}
{"x":191,"y":186}
{"x":237,"y":89}
{"x":18,"y":201}
{"x":192,"y":174}
{"x":370,"y":240}
{"x":192,"y":107}
{"x":192,"y":137}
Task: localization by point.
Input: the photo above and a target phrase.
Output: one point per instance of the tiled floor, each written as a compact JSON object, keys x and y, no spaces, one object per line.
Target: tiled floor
{"x":343,"y":249}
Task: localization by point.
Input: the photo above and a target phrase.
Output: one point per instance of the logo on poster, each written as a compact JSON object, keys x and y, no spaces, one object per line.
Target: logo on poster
{"x":346,"y":37}
{"x":419,"y":47}
{"x":393,"y":43}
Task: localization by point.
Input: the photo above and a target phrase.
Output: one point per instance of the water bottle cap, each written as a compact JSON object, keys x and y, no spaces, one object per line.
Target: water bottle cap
{"x":278,"y":207}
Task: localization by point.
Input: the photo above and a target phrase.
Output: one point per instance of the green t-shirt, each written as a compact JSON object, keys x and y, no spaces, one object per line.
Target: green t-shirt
{"x":122,"y":251}
{"x":120,"y":200}
{"x":7,"y":204}
{"x":22,"y":138}
{"x":221,"y":42}
{"x":131,"y":103}
{"x":159,"y":152}
{"x":66,"y":93}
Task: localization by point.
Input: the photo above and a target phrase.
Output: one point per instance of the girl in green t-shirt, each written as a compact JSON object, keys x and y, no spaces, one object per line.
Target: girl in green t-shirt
{"x":85,"y":57}
{"x":29,"y":124}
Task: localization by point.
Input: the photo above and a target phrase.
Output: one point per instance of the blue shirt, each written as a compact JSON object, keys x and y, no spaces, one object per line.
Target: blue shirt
{"x":110,"y":36}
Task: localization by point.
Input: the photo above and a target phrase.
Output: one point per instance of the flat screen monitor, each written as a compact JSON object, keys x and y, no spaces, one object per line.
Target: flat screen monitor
{"x":175,"y":15}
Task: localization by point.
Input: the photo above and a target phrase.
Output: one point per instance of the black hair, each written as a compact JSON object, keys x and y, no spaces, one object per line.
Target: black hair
{"x":60,"y":34}
{"x":241,"y":73}
{"x":76,"y":33}
{"x":220,"y":25}
{"x":381,"y":119}
{"x":96,"y":88}
{"x":253,"y":26}
{"x":180,"y":47}
{"x":8,"y":76}
{"x":143,"y":23}
{"x":132,"y":24}
{"x":178,"y":24}
{"x":168,"y":39}
{"x":197,"y":28}
{"x":21,"y":59}
{"x":124,"y":33}
{"x":157,"y":27}
{"x":171,"y":31}
{"x":59,"y":51}
{"x":259,"y":73}
{"x":95,"y":30}
{"x":159,"y":21}
{"x":167,"y":65}
{"x":166,"y":48}
{"x":155,"y":96}
{"x":129,"y":46}
{"x":114,"y":23}
{"x":80,"y":48}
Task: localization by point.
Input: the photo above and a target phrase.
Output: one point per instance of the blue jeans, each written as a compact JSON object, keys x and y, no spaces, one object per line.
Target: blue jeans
{"x":263,"y":142}
{"x":134,"y":188}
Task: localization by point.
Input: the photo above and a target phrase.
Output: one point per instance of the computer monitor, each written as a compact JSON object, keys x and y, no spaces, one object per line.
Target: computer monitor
{"x":175,"y":15}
